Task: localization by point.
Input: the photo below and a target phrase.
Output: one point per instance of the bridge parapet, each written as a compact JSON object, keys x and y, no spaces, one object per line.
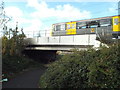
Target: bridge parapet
{"x":63,"y":42}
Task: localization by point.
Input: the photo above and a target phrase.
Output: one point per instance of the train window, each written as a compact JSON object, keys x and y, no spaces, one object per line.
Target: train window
{"x":105,"y":22}
{"x":116,"y":21}
{"x":93,"y":24}
{"x":83,"y":27}
{"x":73,"y":26}
{"x":68,"y":26}
{"x":98,"y":24}
{"x":62,"y":27}
{"x":57,"y":28}
{"x":80,"y":25}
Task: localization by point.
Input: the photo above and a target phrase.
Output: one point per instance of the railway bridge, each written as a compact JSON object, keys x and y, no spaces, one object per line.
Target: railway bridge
{"x":45,"y":48}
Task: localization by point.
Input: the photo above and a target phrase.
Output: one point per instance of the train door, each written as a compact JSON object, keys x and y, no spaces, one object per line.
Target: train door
{"x":116,"y":24}
{"x":71,"y":28}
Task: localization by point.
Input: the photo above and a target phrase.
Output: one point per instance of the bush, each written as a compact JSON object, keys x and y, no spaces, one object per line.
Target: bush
{"x":104,"y":71}
{"x":70,"y":71}
{"x":84,"y":69}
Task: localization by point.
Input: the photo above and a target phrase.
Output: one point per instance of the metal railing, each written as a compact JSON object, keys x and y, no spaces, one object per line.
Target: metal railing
{"x":31,"y":34}
{"x":40,"y":33}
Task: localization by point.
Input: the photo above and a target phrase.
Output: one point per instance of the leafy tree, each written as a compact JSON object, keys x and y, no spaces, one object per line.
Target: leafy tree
{"x":4,"y":45}
{"x":13,"y":45}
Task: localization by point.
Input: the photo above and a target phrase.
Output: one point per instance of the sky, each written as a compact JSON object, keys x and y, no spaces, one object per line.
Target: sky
{"x":39,"y":15}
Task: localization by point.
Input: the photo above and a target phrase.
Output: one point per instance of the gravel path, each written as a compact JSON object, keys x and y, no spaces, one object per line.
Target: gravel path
{"x":28,"y":79}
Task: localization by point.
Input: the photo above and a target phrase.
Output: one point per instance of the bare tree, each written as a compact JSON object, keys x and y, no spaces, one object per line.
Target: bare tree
{"x":3,"y":20}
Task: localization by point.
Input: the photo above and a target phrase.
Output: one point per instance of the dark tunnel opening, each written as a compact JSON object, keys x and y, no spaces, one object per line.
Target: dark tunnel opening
{"x":42,"y":56}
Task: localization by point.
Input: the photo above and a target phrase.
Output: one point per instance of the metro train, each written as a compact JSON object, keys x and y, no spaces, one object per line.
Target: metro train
{"x":104,"y":27}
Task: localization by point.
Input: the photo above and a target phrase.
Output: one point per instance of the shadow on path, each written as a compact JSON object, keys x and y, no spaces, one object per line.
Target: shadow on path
{"x":28,"y":79}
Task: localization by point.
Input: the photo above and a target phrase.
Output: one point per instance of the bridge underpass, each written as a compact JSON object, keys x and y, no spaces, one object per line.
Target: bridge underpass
{"x":45,"y":48}
{"x":43,"y":56}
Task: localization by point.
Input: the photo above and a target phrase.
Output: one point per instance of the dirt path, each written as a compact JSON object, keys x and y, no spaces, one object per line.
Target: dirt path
{"x":28,"y":79}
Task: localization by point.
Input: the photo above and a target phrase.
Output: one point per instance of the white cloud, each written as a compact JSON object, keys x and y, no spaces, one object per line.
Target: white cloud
{"x":18,"y":16}
{"x":65,"y":11}
{"x":69,"y":12}
{"x":13,"y":12}
{"x":34,"y":25}
{"x":32,"y":3}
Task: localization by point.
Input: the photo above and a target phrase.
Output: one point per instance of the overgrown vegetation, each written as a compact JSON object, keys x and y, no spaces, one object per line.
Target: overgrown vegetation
{"x":12,"y":59}
{"x":85,"y":69}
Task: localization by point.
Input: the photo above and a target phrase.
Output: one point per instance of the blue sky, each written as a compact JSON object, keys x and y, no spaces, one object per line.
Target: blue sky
{"x":38,"y":15}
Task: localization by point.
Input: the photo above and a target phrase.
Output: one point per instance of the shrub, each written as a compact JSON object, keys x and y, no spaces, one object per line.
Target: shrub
{"x":70,"y":71}
{"x":104,"y":71}
{"x":84,"y":69}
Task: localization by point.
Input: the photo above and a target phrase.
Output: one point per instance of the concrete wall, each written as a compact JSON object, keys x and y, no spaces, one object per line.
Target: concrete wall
{"x":88,"y":39}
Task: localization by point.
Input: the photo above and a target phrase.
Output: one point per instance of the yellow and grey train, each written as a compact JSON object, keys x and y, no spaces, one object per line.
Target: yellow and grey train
{"x":104,"y":27}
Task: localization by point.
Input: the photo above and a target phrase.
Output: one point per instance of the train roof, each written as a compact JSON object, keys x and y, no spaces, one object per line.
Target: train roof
{"x":93,"y":19}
